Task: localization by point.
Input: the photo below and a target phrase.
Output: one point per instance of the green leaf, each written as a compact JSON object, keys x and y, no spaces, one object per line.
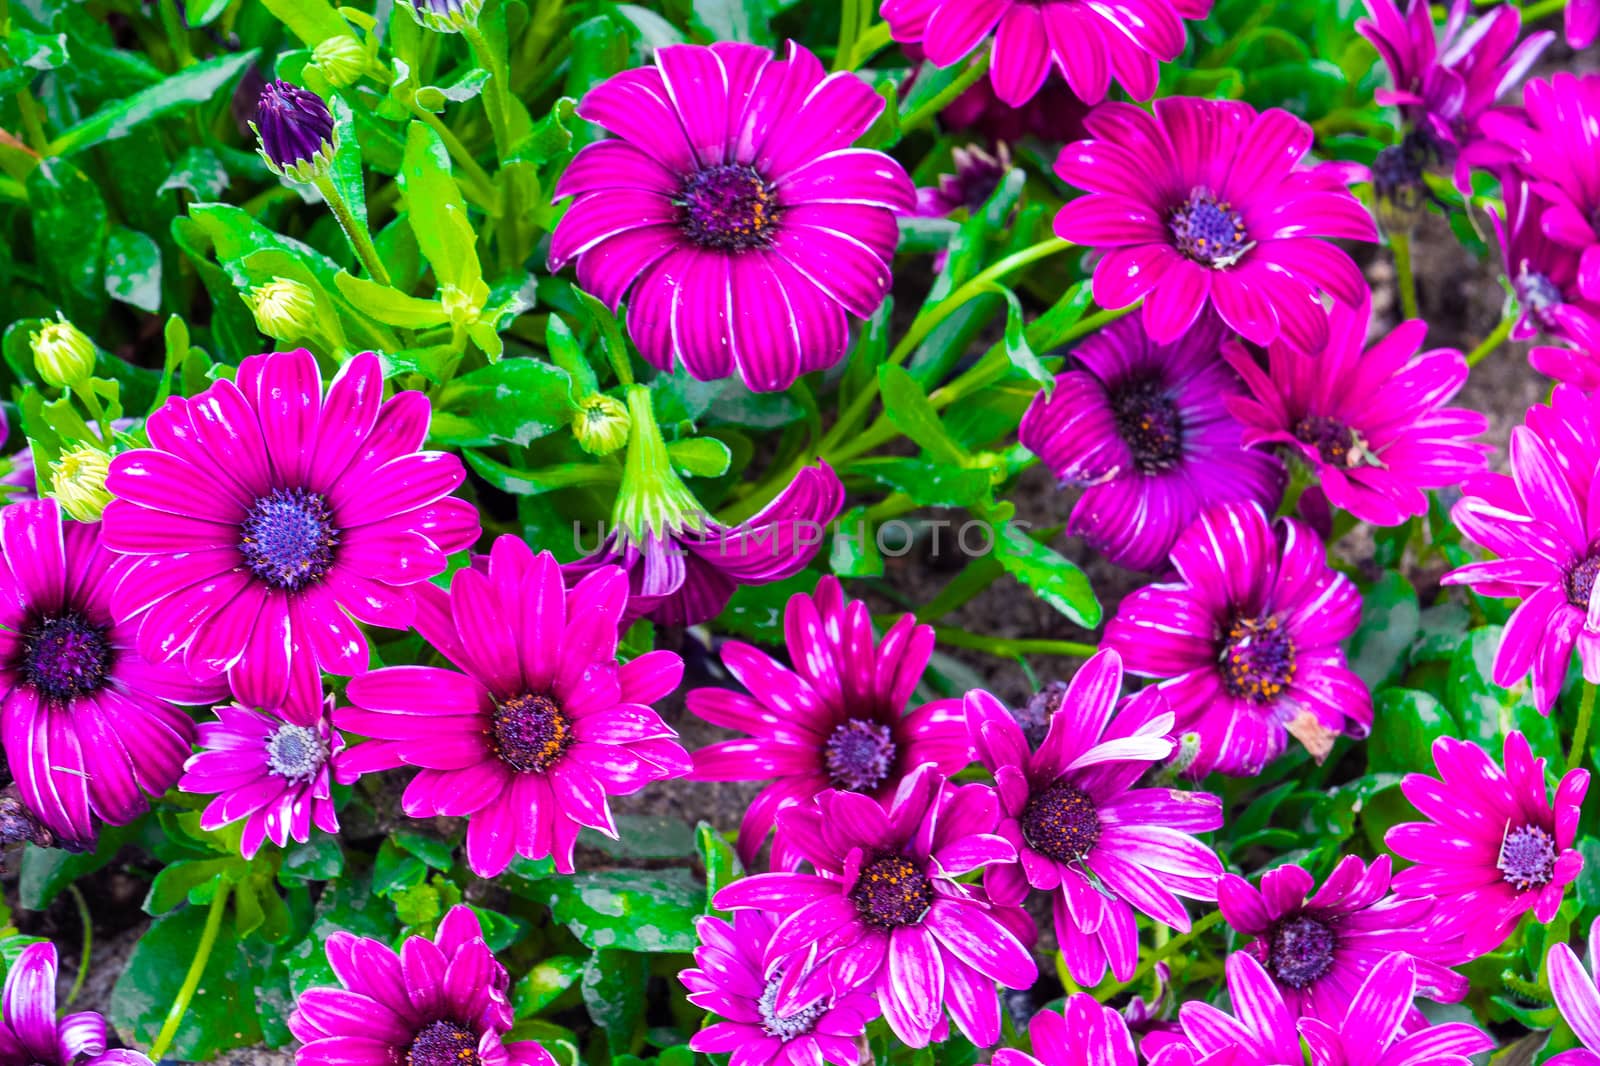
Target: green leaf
{"x":930,"y":484}
{"x":636,"y":910}
{"x":200,"y":172}
{"x":198,"y":13}
{"x":193,"y":85}
{"x":390,"y":306}
{"x":46,"y":872}
{"x":319,"y":859}
{"x":514,"y":401}
{"x":700,"y":456}
{"x":1016,"y":342}
{"x":569,"y":356}
{"x":436,"y":210}
{"x":908,"y":408}
{"x":69,"y":233}
{"x":35,"y":51}
{"x":345,"y":171}
{"x":394,"y":869}
{"x":133,"y":269}
{"x":171,"y":886}
{"x":720,"y":860}
{"x":545,"y":983}
{"x":613,"y":992}
{"x":854,"y":551}
{"x":1486,"y":712}
{"x":221,"y":1015}
{"x":545,"y":479}
{"x":643,"y":836}
{"x":439,"y":854}
{"x":756,"y":611}
{"x":1390,"y":623}
{"x":1405,"y":725}
{"x":1052,"y":327}
{"x":313,"y":21}
{"x":1052,"y":577}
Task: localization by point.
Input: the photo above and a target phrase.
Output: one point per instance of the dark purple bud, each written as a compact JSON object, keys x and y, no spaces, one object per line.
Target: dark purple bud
{"x":1400,"y":183}
{"x":295,"y":128}
{"x":1034,"y":716}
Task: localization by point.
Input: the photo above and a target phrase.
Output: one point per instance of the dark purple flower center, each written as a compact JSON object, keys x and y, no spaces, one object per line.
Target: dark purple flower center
{"x":729,"y":208}
{"x":530,"y":732}
{"x":1579,"y":581}
{"x":1538,"y":295}
{"x":1300,"y":950}
{"x":785,"y":1026}
{"x":859,"y":755}
{"x":1527,"y":858}
{"x":65,"y":657}
{"x":288,"y":538}
{"x":891,"y":891}
{"x":294,"y":123}
{"x":1148,"y":422}
{"x":1208,"y":230}
{"x":1061,"y":822}
{"x":443,"y":1043}
{"x":1333,"y":440}
{"x":1257,"y":659}
{"x":296,"y":752}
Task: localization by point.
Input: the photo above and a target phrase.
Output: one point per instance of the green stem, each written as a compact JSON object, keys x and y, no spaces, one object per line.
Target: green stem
{"x":1580,"y":736}
{"x":1166,"y":951}
{"x":191,"y":980}
{"x":1534,"y":12}
{"x":1400,"y":244}
{"x":1492,"y":341}
{"x":87,"y":921}
{"x":1007,"y":648}
{"x":926,"y":111}
{"x":177,"y":33}
{"x":873,"y":40}
{"x":360,"y":240}
{"x":497,"y":94}
{"x":97,"y":412}
{"x":849,"y":31}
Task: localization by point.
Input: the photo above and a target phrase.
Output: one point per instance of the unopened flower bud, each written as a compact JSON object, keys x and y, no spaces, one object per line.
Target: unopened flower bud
{"x":1399,"y":184}
{"x":285,"y":309}
{"x":78,"y":482}
{"x":601,"y":424}
{"x":341,"y":59}
{"x":296,"y":132}
{"x":1034,"y":716}
{"x":464,"y":306}
{"x":62,"y":354}
{"x":445,"y":16}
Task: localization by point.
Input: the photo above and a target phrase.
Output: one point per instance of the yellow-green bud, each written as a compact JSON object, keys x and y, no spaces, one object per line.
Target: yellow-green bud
{"x":341,"y":59}
{"x":78,"y":482}
{"x":62,"y":354}
{"x":601,"y":424}
{"x":285,"y":309}
{"x":445,"y":16}
{"x":464,"y":306}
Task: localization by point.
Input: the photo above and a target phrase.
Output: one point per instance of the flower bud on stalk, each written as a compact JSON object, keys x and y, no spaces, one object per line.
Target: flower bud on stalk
{"x":285,"y":309}
{"x":445,"y":16}
{"x":601,"y":424}
{"x":62,"y":354}
{"x":296,"y":132}
{"x":342,"y":60}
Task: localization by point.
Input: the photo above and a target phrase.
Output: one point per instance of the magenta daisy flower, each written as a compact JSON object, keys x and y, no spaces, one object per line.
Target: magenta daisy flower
{"x":88,"y":723}
{"x":1247,"y":641}
{"x":1444,"y":85}
{"x":1575,"y":993}
{"x":1494,"y":846}
{"x":267,"y":521}
{"x":1206,"y":201}
{"x":1144,"y":430}
{"x":269,"y":771}
{"x":1538,"y":522}
{"x":540,"y":723}
{"x":1372,"y":423}
{"x":884,"y":911}
{"x":1542,"y":272}
{"x":1088,"y":42}
{"x":737,"y":979}
{"x":1319,"y":948}
{"x":439,"y":1002}
{"x":1082,"y":828}
{"x":840,"y":718}
{"x":1083,"y":1034}
{"x":31,"y":1035}
{"x":734,"y":208}
{"x":1551,"y":143}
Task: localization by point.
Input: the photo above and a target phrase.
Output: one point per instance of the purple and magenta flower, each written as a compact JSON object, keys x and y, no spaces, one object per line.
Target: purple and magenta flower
{"x":1371,"y":1030}
{"x":31,"y":1035}
{"x":1144,"y":429}
{"x":266,"y":521}
{"x":839,"y":719}
{"x":977,"y":174}
{"x":884,"y":912}
{"x":1206,"y":202}
{"x":89,"y":725}
{"x":1550,"y":142}
{"x":1082,"y":828}
{"x":1088,"y":42}
{"x":1540,"y":522}
{"x":439,"y":1002}
{"x":1319,"y":948}
{"x":295,"y":129}
{"x":272,"y":772}
{"x":537,"y":724}
{"x":1083,"y":1034}
{"x":1247,"y":641}
{"x":1575,"y":993}
{"x":1543,"y":273}
{"x":1372,"y":424}
{"x":733,"y":206}
{"x":736,"y":978}
{"x":1444,"y":86}
{"x":1493,"y":847}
